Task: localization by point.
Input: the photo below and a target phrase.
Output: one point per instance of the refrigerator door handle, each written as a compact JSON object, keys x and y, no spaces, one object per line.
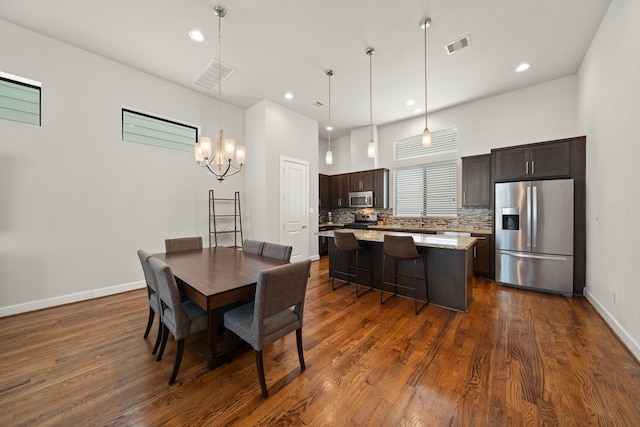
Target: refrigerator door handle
{"x":534,"y":223}
{"x":528,"y":214}
{"x":534,"y":256}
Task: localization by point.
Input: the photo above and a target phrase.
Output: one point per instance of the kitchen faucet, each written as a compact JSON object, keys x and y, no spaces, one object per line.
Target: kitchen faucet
{"x":423,"y":214}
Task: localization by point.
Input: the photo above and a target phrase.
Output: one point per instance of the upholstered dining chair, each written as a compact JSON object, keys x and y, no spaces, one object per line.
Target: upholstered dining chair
{"x":182,"y":318}
{"x":183,"y":244}
{"x":276,"y":251}
{"x":278,"y":310}
{"x":154,"y":298}
{"x":253,"y":247}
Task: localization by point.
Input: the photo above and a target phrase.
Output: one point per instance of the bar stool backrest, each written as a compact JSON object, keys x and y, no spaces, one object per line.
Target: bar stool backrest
{"x":346,"y":241}
{"x":401,"y":247}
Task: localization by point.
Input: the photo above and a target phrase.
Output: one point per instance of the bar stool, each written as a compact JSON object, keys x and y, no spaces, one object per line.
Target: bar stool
{"x":347,"y":242}
{"x":403,"y":248}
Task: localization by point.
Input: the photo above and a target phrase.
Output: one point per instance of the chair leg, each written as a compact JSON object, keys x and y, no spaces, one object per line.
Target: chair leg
{"x":165,"y":338}
{"x":227,"y":344}
{"x":176,"y":364}
{"x":158,"y":338}
{"x":260,"y":366}
{"x":300,"y":353}
{"x":149,"y":322}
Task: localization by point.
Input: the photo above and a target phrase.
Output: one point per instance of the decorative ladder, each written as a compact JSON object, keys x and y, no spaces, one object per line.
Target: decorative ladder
{"x":223,"y":222}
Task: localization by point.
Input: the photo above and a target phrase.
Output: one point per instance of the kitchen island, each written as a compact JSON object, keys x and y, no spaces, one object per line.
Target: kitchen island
{"x":449,"y":265}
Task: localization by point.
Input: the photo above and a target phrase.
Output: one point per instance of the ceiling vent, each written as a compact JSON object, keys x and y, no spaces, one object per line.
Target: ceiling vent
{"x":457,"y":45}
{"x":213,"y":74}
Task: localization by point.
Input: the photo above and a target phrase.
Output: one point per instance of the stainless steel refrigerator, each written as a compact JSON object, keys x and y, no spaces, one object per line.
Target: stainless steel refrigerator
{"x":534,"y":234}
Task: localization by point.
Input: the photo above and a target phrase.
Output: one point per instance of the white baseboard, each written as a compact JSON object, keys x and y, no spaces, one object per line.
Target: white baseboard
{"x":631,"y":344}
{"x":67,"y":299}
{"x":314,"y":257}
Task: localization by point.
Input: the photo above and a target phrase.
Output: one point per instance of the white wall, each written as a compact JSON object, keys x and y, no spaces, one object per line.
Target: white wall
{"x":76,"y":202}
{"x":275,"y":131}
{"x":608,"y":112}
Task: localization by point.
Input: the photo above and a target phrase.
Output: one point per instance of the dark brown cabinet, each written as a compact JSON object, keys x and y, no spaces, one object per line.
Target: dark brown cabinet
{"x":340,"y":185}
{"x":482,"y":259}
{"x":324,"y":192}
{"x":381,"y":188}
{"x":476,"y":181}
{"x":376,"y":180}
{"x":545,"y":160}
{"x":361,"y":181}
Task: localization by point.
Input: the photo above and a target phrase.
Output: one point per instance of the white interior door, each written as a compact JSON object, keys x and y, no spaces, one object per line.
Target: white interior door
{"x":294,"y":207}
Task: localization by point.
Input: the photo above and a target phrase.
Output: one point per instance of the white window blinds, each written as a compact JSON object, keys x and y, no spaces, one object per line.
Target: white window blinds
{"x":432,"y":189}
{"x":411,"y":147}
{"x":147,"y":129}
{"x":19,"y":101}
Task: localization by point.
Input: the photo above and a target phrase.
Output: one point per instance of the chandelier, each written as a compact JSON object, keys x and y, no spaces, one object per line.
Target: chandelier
{"x":219,"y":162}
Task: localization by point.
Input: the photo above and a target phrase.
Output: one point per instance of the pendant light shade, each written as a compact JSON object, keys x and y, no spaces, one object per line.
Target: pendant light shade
{"x":328,"y":159}
{"x":371,"y":149}
{"x":426,"y":133}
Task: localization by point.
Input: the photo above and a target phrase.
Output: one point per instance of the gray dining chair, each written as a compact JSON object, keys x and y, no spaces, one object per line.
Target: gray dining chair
{"x":276,"y":251}
{"x":183,"y":244}
{"x":278,"y":310}
{"x":182,"y":318}
{"x":253,"y":247}
{"x":154,"y":298}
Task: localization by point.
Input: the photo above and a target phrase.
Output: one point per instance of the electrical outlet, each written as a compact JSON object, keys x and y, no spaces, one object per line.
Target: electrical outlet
{"x":615,"y":297}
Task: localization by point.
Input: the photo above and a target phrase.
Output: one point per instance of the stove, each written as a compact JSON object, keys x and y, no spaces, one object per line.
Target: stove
{"x":362,"y":222}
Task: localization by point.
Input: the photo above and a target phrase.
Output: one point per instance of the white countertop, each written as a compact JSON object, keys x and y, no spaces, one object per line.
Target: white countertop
{"x":428,"y":240}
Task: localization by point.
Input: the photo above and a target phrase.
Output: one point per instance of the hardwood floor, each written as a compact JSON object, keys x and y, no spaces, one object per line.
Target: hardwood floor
{"x":517,"y":358}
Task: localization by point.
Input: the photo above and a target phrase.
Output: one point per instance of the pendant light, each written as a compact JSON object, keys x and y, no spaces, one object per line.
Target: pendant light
{"x":426,"y":134}
{"x":219,"y":163}
{"x":371,"y":150}
{"x":329,"y":157}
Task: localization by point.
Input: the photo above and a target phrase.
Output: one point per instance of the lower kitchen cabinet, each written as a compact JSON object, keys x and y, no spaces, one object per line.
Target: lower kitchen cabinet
{"x":482,"y":255}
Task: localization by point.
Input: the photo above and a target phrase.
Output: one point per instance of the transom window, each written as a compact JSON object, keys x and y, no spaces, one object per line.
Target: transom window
{"x":20,"y":99}
{"x":147,"y":129}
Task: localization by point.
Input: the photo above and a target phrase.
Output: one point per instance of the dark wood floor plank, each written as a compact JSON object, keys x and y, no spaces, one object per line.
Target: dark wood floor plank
{"x":516,"y":358}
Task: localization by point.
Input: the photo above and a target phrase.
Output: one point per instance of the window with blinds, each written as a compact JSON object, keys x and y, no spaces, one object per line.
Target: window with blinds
{"x":150,"y":130}
{"x":432,"y":189}
{"x":442,"y":141}
{"x":19,"y":99}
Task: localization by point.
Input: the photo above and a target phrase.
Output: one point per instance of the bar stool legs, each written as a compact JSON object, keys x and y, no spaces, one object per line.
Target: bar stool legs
{"x":347,"y":243}
{"x":400,"y":250}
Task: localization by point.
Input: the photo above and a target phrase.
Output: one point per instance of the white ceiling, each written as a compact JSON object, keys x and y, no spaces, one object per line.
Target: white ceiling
{"x":278,"y":46}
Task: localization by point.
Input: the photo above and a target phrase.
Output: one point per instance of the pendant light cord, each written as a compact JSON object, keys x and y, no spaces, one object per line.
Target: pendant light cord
{"x":370,"y":52}
{"x":330,"y":73}
{"x":425,"y":75}
{"x":219,"y":70}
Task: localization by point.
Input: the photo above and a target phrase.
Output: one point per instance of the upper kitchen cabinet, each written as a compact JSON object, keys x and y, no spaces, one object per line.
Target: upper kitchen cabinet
{"x":361,"y":181}
{"x":324,"y":191}
{"x":381,"y":188}
{"x":476,"y":181}
{"x":542,"y":160}
{"x":340,"y":186}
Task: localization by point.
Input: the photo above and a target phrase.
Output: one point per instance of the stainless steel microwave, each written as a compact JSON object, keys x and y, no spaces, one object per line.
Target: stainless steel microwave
{"x":361,"y":199}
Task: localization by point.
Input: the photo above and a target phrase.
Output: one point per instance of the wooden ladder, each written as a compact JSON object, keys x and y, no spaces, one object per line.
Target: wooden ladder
{"x":223,"y":223}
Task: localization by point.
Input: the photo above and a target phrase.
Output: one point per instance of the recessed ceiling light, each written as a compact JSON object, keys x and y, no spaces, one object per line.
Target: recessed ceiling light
{"x":196,"y":36}
{"x":418,"y":110}
{"x":288,"y":95}
{"x":522,"y":67}
{"x":410,"y":102}
{"x":329,"y":128}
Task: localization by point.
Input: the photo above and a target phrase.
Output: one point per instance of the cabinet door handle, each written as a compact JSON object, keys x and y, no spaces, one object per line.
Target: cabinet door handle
{"x":474,"y":252}
{"x":464,"y":197}
{"x":533,"y":163}
{"x":526,"y":168}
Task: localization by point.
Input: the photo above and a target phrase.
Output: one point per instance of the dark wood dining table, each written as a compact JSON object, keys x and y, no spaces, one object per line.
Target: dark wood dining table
{"x":214,"y":278}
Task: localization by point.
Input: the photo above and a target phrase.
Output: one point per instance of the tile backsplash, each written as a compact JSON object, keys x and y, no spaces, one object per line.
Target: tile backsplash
{"x":467,"y":218}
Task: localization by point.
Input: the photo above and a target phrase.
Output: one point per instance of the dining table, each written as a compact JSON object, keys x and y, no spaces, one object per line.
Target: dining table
{"x":215,"y":277}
